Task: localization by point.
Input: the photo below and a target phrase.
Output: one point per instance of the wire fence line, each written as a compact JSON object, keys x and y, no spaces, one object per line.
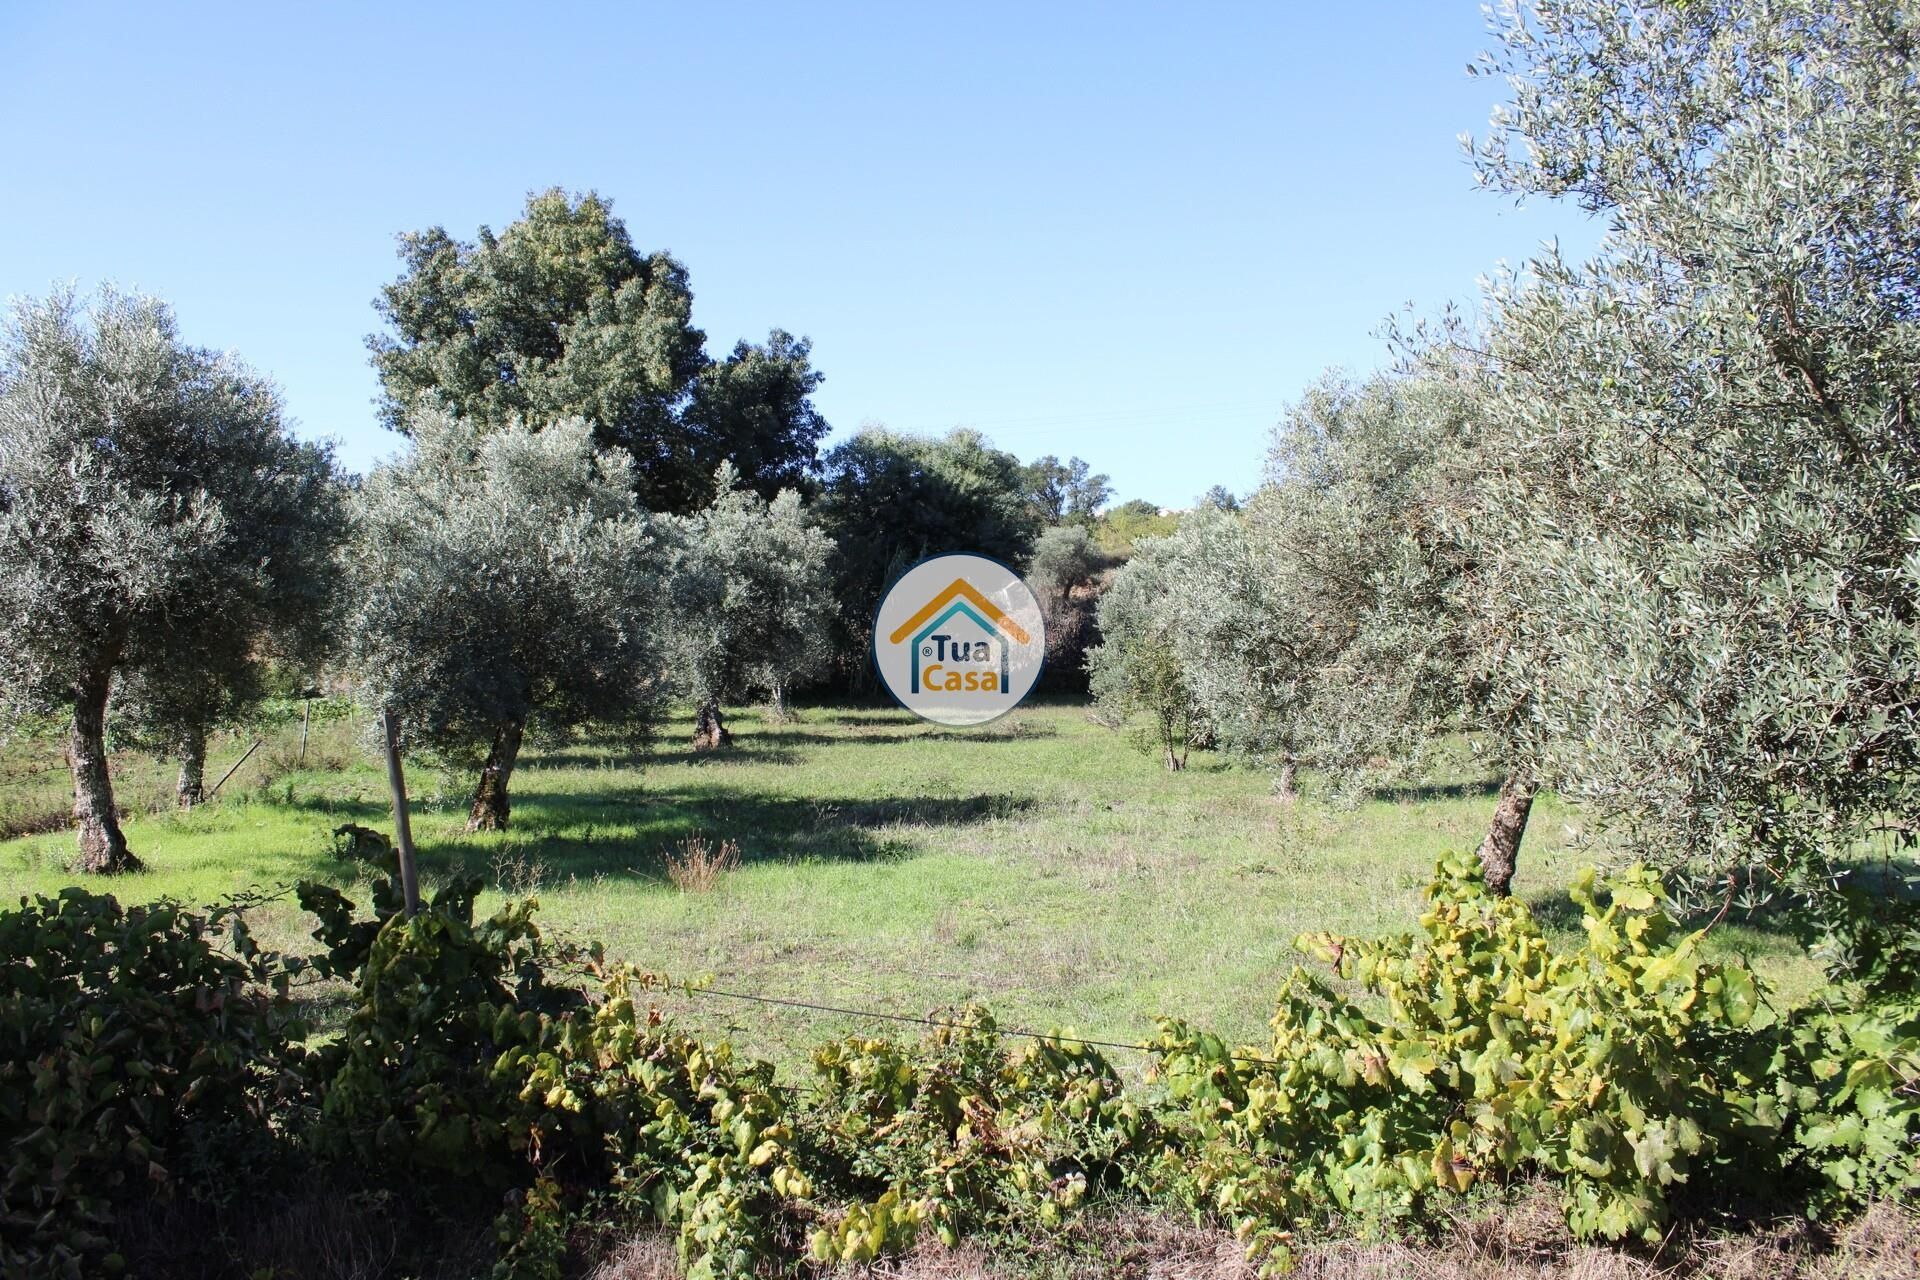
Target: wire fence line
{"x":944,"y":1024}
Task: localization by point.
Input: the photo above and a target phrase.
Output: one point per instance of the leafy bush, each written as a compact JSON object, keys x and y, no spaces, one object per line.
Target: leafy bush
{"x":965,"y":1137}
{"x":479,"y":1058}
{"x":1848,"y":1068}
{"x":1627,"y":1069}
{"x":422,"y":1077}
{"x":124,"y":1033}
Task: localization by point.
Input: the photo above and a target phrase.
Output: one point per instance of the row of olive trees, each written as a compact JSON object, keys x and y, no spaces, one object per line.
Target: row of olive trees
{"x":160,"y":532}
{"x":1649,"y":526}
{"x":164,"y":539}
{"x":505,"y":583}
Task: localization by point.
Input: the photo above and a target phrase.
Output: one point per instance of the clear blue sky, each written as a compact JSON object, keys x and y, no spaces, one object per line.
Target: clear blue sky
{"x":1131,"y":233}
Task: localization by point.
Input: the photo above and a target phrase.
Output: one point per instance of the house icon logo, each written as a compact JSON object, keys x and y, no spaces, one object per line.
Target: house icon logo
{"x":959,"y":639}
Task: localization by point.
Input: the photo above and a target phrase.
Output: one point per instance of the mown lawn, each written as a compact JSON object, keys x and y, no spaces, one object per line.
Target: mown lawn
{"x":1039,"y":865}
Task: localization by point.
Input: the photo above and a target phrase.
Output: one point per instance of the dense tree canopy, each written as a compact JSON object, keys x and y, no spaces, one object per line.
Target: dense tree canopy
{"x":890,"y":500}
{"x":504,"y":582}
{"x":1694,"y":486}
{"x":160,"y":533}
{"x":1122,"y":525}
{"x":561,"y":316}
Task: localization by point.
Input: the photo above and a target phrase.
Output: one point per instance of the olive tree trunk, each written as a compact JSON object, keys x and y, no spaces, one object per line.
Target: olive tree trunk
{"x":777,"y":702}
{"x":1286,"y":786}
{"x":491,"y":807}
{"x":1500,"y":851}
{"x":191,"y":788}
{"x":103,"y":847}
{"x":710,"y":732}
{"x":1173,"y":745}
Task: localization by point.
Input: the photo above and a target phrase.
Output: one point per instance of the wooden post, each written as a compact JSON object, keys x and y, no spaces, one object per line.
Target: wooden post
{"x":306,"y":716}
{"x":236,"y":766}
{"x":402,"y":827}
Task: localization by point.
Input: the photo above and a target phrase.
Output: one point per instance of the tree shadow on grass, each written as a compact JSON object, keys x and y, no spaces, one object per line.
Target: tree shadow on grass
{"x":368,"y":813}
{"x":1420,"y":792}
{"x":892,"y":736}
{"x":558,"y":833}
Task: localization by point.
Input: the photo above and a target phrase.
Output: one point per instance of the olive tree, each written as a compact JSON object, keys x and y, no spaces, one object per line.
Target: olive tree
{"x":1353,"y":557}
{"x":752,"y":602}
{"x":1318,"y":622}
{"x":503,"y":583}
{"x":1696,"y":477}
{"x":160,"y":532}
{"x":1137,"y":671}
{"x":1067,"y":572}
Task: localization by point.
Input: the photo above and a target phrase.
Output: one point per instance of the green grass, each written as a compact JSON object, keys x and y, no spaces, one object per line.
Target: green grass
{"x":1040,"y":865}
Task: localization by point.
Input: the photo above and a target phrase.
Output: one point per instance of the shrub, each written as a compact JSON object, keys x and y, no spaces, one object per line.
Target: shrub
{"x":1848,"y":1068}
{"x":1623,"y":1068}
{"x":480,"y":1057}
{"x":422,"y":1078}
{"x":962,"y":1136}
{"x":125,"y":1033}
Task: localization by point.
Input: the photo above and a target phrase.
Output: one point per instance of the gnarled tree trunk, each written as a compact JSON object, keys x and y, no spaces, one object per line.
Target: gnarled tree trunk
{"x":491,"y":808}
{"x":191,"y":788}
{"x":103,"y":848}
{"x":710,"y":732}
{"x":1286,"y":785}
{"x":1500,"y":851}
{"x":777,"y":703}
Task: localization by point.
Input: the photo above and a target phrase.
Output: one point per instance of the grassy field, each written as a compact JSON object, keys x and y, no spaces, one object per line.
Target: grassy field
{"x":1040,"y":865}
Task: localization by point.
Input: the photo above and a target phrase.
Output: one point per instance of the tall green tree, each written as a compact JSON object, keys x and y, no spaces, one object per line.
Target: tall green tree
{"x":752,"y":602}
{"x":1065,"y":493}
{"x":160,"y":532}
{"x":889,"y":500}
{"x":1694,"y":498}
{"x":560,"y":316}
{"x":504,"y":583}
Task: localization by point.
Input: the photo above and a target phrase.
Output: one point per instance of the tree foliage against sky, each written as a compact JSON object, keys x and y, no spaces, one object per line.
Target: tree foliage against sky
{"x":504,"y":582}
{"x":561,"y":316}
{"x":1069,"y":492}
{"x":1694,"y":507}
{"x":1650,"y":524}
{"x":160,"y":532}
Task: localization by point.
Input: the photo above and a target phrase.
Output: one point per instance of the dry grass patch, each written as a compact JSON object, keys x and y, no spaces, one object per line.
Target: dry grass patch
{"x":700,"y":865}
